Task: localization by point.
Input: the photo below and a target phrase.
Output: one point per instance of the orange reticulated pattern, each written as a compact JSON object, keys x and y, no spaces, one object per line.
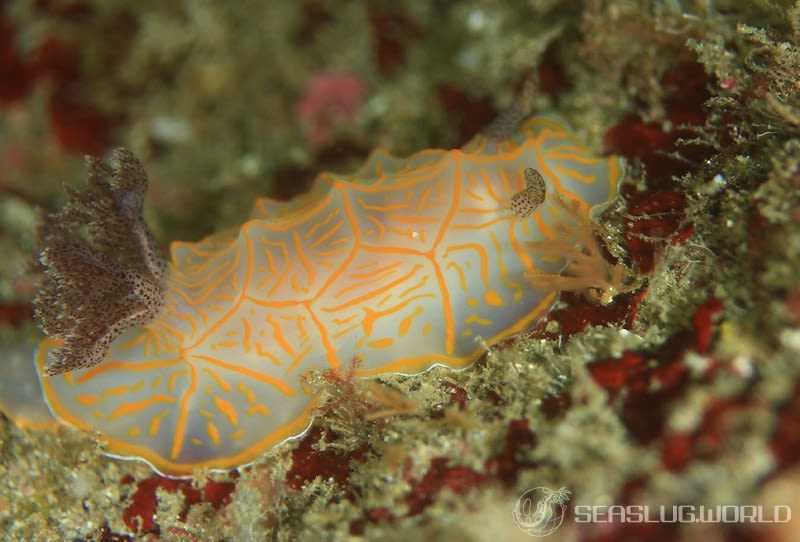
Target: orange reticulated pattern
{"x":404,"y":263}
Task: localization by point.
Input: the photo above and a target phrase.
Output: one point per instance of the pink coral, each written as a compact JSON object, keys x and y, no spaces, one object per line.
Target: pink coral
{"x":331,"y":98}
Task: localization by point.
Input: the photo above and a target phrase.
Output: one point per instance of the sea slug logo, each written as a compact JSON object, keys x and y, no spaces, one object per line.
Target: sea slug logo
{"x":540,"y":511}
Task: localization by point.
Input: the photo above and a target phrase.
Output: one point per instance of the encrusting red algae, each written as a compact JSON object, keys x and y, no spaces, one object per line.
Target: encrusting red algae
{"x":681,"y":388}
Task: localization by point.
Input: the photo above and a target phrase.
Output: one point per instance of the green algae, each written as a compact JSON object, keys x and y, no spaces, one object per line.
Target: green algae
{"x":228,"y":75}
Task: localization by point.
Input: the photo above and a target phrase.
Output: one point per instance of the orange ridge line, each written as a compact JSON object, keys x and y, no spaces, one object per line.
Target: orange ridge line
{"x":280,"y":385}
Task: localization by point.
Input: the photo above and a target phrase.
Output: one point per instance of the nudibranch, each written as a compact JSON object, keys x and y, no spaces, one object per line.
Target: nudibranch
{"x":403,"y":263}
